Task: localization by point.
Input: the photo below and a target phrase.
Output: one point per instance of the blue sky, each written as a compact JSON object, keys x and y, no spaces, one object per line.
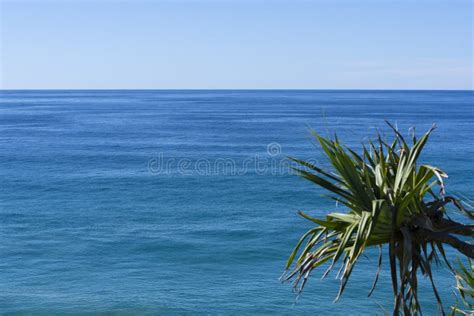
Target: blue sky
{"x":237,"y":44}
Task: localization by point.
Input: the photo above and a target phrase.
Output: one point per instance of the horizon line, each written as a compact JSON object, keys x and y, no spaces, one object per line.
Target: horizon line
{"x":230,"y":89}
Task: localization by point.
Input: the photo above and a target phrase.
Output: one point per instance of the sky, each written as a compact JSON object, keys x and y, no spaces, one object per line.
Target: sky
{"x":358,"y":44}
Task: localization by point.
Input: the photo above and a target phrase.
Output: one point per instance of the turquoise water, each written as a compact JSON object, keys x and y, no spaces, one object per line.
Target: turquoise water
{"x":177,"y":202}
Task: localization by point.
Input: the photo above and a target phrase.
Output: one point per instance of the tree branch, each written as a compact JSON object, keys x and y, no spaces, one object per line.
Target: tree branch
{"x":450,"y":226}
{"x":463,"y":247}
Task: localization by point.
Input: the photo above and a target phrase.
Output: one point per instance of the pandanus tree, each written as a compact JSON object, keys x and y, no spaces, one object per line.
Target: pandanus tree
{"x":464,"y":275}
{"x":392,"y":202}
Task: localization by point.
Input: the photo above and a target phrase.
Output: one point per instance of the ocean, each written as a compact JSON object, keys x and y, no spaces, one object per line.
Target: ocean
{"x":176,"y":202}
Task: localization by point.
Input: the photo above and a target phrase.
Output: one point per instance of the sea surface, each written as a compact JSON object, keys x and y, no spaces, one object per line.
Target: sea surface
{"x":180,"y":202}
